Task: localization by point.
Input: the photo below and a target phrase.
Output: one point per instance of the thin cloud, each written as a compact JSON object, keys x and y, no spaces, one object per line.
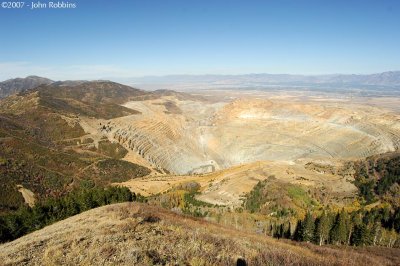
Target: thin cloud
{"x":23,"y":69}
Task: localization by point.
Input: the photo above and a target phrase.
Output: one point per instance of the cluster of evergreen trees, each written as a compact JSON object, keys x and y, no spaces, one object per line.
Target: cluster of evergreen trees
{"x":358,"y":228}
{"x":372,"y":188}
{"x":27,"y":219}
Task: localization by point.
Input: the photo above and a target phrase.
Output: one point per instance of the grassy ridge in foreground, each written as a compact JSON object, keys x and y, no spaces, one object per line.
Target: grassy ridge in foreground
{"x":140,"y":234}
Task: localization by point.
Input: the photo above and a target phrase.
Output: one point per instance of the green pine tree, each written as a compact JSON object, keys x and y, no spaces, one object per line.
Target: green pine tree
{"x":361,"y":236}
{"x":307,"y":230}
{"x":340,"y":230}
{"x":323,"y":228}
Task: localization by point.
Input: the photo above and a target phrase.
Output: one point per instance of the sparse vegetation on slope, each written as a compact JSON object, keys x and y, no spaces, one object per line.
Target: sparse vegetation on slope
{"x":100,"y":99}
{"x":108,"y":171}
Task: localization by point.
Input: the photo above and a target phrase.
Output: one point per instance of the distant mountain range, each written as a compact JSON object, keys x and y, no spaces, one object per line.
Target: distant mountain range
{"x":387,"y":80}
{"x":16,"y":85}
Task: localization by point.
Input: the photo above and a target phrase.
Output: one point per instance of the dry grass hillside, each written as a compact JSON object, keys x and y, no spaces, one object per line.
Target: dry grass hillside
{"x":139,"y":234}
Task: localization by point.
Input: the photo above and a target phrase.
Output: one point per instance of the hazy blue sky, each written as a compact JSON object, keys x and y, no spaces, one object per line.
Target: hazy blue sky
{"x":134,"y":38}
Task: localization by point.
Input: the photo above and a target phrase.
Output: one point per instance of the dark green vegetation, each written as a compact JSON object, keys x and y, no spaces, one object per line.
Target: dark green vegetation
{"x":378,"y":226}
{"x":44,"y":148}
{"x":46,"y":212}
{"x":378,"y":178}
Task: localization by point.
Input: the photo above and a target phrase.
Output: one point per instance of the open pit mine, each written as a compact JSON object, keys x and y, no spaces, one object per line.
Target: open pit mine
{"x":181,"y":136}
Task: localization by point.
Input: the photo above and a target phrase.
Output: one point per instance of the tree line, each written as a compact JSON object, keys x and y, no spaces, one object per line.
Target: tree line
{"x":379,"y":226}
{"x":27,"y":219}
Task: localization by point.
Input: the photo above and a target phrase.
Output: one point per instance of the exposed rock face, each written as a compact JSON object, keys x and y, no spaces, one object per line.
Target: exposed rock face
{"x":165,"y":145}
{"x":13,"y":86}
{"x":204,"y":137}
